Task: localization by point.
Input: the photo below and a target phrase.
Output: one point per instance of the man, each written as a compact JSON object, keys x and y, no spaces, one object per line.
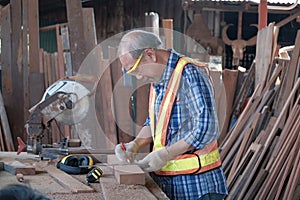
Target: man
{"x":21,"y":192}
{"x":182,"y":123}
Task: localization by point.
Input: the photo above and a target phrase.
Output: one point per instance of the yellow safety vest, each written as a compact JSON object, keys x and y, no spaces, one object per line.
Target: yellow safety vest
{"x":201,"y":160}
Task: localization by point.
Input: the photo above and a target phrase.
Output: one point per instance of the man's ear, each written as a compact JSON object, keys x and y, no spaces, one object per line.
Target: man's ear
{"x":150,"y":54}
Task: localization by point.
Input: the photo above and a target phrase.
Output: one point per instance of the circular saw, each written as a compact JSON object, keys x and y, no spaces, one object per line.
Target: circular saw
{"x":66,"y":101}
{"x":75,"y":98}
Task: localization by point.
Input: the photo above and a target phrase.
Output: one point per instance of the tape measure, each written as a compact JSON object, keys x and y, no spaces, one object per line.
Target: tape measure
{"x":94,"y":175}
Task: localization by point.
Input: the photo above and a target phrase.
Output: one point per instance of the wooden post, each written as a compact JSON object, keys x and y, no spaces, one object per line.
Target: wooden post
{"x":168,"y":29}
{"x":89,"y":29}
{"x":75,"y":22}
{"x":263,"y":14}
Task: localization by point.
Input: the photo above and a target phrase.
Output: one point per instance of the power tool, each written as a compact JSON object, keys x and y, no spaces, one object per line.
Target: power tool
{"x":67,"y":101}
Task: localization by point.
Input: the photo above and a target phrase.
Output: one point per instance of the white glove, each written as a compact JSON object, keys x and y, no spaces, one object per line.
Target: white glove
{"x":155,"y":160}
{"x":129,"y":154}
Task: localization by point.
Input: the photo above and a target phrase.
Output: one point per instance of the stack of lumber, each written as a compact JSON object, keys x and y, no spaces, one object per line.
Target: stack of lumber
{"x":261,"y":152}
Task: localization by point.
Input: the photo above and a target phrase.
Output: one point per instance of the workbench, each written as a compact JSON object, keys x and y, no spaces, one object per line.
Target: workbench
{"x":57,"y":184}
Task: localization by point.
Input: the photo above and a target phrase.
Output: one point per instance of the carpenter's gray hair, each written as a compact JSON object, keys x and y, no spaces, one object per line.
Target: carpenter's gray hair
{"x":136,"y":41}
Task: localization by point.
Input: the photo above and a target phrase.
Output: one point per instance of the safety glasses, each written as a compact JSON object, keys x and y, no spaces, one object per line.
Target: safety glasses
{"x":136,"y":64}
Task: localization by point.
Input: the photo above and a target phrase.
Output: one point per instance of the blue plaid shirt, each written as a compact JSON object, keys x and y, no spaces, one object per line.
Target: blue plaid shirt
{"x":194,"y":119}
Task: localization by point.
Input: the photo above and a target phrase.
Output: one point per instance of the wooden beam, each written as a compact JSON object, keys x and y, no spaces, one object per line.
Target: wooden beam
{"x":15,"y":107}
{"x":5,"y":126}
{"x":67,"y":180}
{"x":168,"y":29}
{"x":33,"y":32}
{"x":15,"y":167}
{"x":6,"y":55}
{"x":89,"y":29}
{"x":75,"y":24}
{"x":60,"y":54}
{"x":262,"y":14}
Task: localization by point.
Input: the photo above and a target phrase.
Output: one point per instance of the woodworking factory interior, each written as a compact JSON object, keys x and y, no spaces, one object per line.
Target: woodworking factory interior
{"x":149,"y":99}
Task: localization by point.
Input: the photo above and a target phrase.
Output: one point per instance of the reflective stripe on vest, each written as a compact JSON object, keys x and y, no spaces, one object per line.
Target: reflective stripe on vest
{"x":198,"y":162}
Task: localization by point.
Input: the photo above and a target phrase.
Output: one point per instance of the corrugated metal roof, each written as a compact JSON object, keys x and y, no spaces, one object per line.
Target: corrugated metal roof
{"x":278,"y":1}
{"x":258,"y":1}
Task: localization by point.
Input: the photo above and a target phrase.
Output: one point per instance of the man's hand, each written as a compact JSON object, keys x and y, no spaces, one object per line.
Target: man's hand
{"x":155,"y":160}
{"x":129,"y":153}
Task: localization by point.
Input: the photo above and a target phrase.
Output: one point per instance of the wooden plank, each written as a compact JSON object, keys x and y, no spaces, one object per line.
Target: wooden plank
{"x":53,"y":62}
{"x":229,"y":78}
{"x":15,"y":107}
{"x":89,"y":29}
{"x":45,"y":66}
{"x":76,"y":34}
{"x":15,"y":167}
{"x":41,"y":61}
{"x":2,"y":144}
{"x":67,"y":180}
{"x":36,"y":88}
{"x":6,"y":55}
{"x":129,"y":174}
{"x":168,"y":29}
{"x":220,"y":98}
{"x":49,"y":68}
{"x":289,"y":81}
{"x":245,"y":174}
{"x":60,"y":55}
{"x":33,"y":31}
{"x":292,"y":162}
{"x":5,"y":126}
{"x":294,"y":180}
{"x":264,"y":50}
{"x":257,"y":184}
{"x":240,"y":152}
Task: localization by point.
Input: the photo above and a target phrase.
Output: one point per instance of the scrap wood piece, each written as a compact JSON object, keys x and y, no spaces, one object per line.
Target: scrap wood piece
{"x":129,"y":174}
{"x":67,"y":180}
{"x":15,"y":167}
{"x":112,"y":190}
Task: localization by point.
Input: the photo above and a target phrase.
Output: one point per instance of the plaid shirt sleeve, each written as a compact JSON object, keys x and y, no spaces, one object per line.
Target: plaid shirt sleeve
{"x":199,"y":101}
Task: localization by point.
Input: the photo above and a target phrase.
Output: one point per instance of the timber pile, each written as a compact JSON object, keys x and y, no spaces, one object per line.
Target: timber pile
{"x":261,"y":152}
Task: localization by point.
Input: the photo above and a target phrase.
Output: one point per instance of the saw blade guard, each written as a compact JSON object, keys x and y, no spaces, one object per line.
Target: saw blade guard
{"x":76,"y":101}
